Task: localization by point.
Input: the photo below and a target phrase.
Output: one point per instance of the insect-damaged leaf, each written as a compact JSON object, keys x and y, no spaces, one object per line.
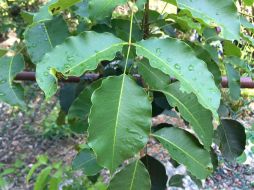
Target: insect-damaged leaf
{"x":60,"y":5}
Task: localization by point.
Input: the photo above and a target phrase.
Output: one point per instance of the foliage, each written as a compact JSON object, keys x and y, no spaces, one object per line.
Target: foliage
{"x":6,"y":171}
{"x":133,"y":52}
{"x":53,"y":175}
{"x":16,"y":15}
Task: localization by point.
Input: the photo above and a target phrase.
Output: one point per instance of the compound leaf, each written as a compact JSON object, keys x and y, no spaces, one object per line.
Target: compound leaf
{"x":118,"y":127}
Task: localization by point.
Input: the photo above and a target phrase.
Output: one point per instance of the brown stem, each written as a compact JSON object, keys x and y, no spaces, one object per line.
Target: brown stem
{"x":146,"y":21}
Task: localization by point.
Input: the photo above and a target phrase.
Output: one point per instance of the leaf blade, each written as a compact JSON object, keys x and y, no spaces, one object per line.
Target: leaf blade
{"x":10,"y":92}
{"x":74,"y":57}
{"x":134,"y":176}
{"x":183,"y":148}
{"x":183,"y":68}
{"x":116,"y":124}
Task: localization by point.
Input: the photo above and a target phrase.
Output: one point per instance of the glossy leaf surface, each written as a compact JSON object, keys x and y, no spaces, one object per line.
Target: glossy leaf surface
{"x":132,"y":177}
{"x":10,"y":92}
{"x":199,"y":118}
{"x":74,"y":57}
{"x":118,"y":127}
{"x":177,"y":59}
{"x":185,"y":149}
{"x":215,"y":13}
{"x":42,"y":37}
{"x":86,"y":161}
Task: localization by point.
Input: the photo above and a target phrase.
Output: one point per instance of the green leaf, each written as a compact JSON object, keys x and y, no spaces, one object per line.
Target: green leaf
{"x":7,"y":171}
{"x":80,"y":108}
{"x":75,"y":56}
{"x":176,"y":58}
{"x":248,"y":2}
{"x":56,"y":180}
{"x":120,"y":128}
{"x":86,"y":161}
{"x":27,"y":17}
{"x":121,"y":29}
{"x":185,"y":149}
{"x":232,"y":138}
{"x":155,"y":78}
{"x":132,"y":177}
{"x":246,"y":24}
{"x":100,"y":10}
{"x":81,"y":9}
{"x":60,"y":5}
{"x":249,"y":39}
{"x":42,"y":178}
{"x":215,"y":13}
{"x":231,"y":49}
{"x":233,"y":82}
{"x":199,"y":118}
{"x":42,"y":160}
{"x":210,"y":56}
{"x":67,"y":95}
{"x":10,"y":92}
{"x":156,"y":171}
{"x":3,"y":52}
{"x":176,"y":181}
{"x":42,"y":37}
{"x":43,"y":14}
{"x":237,"y":63}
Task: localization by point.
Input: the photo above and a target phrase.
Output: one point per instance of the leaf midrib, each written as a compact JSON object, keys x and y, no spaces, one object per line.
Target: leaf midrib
{"x":160,"y":137}
{"x":195,"y":120}
{"x":10,"y":81}
{"x":174,"y":73}
{"x":134,"y":174}
{"x":117,"y":121}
